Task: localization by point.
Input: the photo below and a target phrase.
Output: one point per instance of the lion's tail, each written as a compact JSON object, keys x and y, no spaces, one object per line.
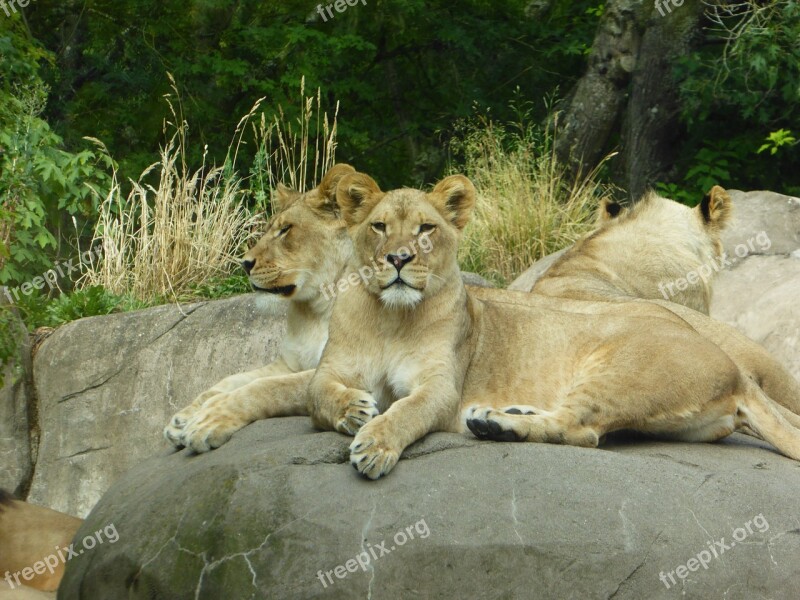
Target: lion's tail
{"x":769,"y":420}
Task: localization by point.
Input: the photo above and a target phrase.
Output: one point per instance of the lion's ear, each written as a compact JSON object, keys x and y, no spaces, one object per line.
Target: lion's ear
{"x":454,"y":197}
{"x":716,"y":208}
{"x":282,"y":197}
{"x":356,"y":195}
{"x":609,"y":210}
{"x":325,"y":200}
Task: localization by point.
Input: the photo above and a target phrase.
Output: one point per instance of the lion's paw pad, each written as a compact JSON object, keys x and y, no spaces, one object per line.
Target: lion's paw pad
{"x":488,"y":424}
{"x":520,"y":410}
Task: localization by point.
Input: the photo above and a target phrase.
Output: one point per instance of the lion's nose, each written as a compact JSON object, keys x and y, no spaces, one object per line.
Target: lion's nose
{"x":399,"y":260}
{"x":248,"y":265}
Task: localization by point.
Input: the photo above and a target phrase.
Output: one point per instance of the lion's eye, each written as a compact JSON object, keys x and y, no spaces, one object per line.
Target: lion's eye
{"x":284,"y":230}
{"x":379,"y":227}
{"x":426,"y":228}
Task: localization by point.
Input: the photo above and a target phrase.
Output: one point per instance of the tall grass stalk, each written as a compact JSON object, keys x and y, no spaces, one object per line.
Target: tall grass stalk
{"x":165,"y":240}
{"x":296,"y":152}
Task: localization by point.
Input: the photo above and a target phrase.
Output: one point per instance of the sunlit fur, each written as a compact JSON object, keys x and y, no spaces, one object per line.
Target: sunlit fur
{"x":636,"y":252}
{"x":465,"y":359}
{"x":304,"y":248}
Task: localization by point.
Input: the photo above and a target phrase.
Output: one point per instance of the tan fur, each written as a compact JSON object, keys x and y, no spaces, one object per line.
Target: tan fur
{"x":28,"y":534}
{"x":440,"y":358}
{"x":640,"y":252}
{"x":633,"y":251}
{"x":293,"y":264}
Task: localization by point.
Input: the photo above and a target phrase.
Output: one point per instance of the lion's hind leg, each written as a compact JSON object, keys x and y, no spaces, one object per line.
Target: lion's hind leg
{"x":768,"y":420}
{"x":522,"y":423}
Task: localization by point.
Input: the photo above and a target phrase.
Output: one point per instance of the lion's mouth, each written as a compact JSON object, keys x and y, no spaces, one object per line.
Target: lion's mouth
{"x":399,"y":282}
{"x":283,"y":290}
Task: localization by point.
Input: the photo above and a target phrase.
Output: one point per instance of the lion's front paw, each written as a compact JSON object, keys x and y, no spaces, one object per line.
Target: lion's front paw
{"x":359,"y":412}
{"x":211,"y":427}
{"x":372,"y":456}
{"x":174,"y":430}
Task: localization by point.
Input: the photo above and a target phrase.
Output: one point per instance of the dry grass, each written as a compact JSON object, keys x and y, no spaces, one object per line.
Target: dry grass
{"x":296,"y":154}
{"x":527,"y":206}
{"x":188,"y":230}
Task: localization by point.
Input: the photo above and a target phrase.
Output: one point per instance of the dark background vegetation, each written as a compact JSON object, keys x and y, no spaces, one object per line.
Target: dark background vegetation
{"x":707,"y":93}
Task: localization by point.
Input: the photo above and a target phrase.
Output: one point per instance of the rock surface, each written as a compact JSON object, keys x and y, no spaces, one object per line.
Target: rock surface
{"x":262,"y":516}
{"x":17,"y":439}
{"x":106,"y":386}
{"x":759,"y":293}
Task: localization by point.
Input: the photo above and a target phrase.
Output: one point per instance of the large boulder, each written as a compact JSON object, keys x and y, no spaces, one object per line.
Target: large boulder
{"x":106,"y":387}
{"x":278,"y":513}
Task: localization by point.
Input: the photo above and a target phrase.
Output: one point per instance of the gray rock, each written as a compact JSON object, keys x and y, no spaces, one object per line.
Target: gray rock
{"x":264,"y":515}
{"x":759,"y":291}
{"x":760,"y":296}
{"x":16,"y":434}
{"x":756,"y":212}
{"x":107,"y":386}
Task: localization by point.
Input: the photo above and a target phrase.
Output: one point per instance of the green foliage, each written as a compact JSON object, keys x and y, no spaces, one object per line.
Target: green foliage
{"x":776,"y":140}
{"x":709,"y":167}
{"x":405,"y":70}
{"x":39,"y":310}
{"x":740,"y":89}
{"x":222,"y":287}
{"x":11,"y":338}
{"x":41,"y":184}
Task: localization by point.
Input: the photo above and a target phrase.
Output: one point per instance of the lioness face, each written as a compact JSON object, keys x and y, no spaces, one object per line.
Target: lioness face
{"x":305,"y":242}
{"x":406,"y":240}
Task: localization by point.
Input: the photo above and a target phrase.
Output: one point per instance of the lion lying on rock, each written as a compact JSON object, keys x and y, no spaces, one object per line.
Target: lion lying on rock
{"x":412,"y":352}
{"x":304,"y":248}
{"x":308,"y":226}
{"x":639,"y":252}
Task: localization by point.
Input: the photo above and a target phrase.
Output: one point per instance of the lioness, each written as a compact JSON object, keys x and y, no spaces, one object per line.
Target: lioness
{"x":414,"y":345}
{"x":30,"y":536}
{"x":638,"y":252}
{"x":304,"y":248}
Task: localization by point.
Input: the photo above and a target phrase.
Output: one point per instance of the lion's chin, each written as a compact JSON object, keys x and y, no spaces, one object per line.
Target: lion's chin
{"x":285,"y":290}
{"x":401,"y":296}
